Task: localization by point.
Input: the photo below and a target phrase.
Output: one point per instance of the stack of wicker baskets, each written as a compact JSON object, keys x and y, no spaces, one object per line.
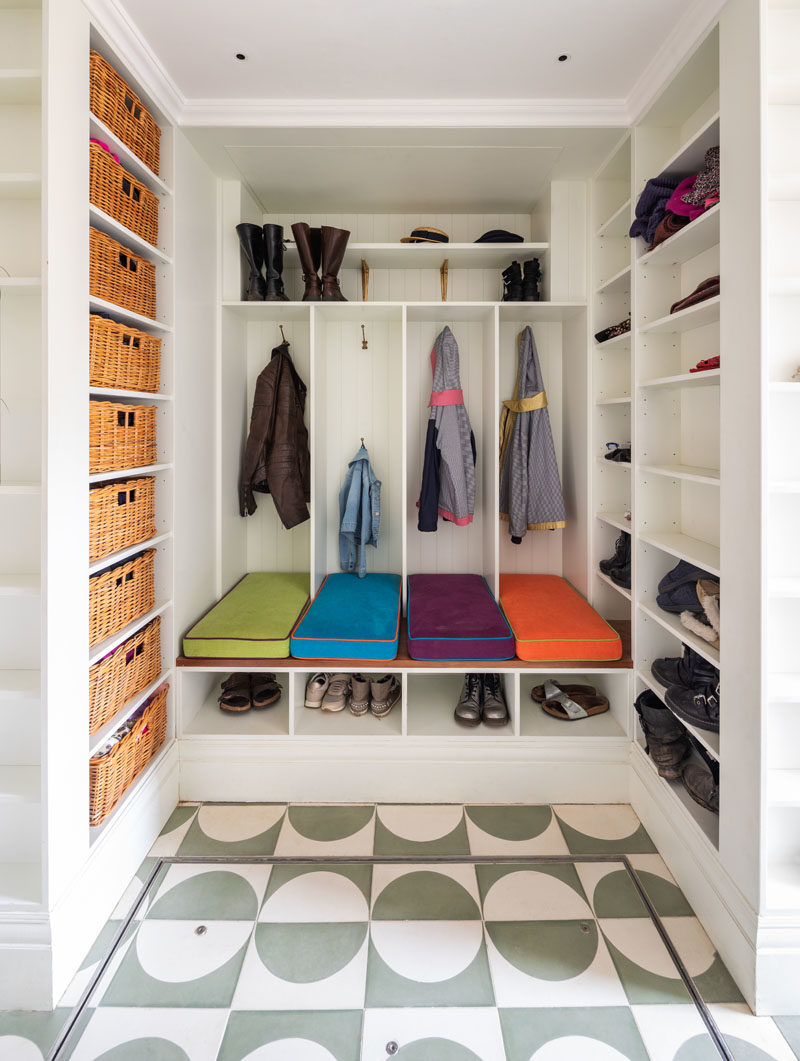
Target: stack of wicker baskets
{"x":115,"y":103}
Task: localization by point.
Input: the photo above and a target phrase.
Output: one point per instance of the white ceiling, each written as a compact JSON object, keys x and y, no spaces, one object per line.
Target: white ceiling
{"x":407,"y":49}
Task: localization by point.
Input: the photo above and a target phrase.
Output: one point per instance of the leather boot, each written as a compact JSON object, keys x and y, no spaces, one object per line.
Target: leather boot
{"x":251,"y":243}
{"x":309,"y":250}
{"x":273,"y":256}
{"x":512,"y":283}
{"x":334,"y":242}
{"x":622,"y":554}
{"x":667,"y":741}
{"x":531,"y":274}
{"x":494,"y":709}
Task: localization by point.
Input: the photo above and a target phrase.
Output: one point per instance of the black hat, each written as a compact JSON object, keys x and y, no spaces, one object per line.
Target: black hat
{"x":426,"y":234}
{"x":499,"y":235}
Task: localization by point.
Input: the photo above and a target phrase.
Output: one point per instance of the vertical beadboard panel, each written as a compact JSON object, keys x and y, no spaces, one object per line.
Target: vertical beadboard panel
{"x":539,"y":551}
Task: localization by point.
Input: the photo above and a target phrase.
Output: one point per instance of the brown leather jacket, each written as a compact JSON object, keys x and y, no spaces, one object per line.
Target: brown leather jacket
{"x":276,"y":458}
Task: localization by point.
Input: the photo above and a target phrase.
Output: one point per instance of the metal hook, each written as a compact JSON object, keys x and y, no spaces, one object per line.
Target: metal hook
{"x":282,"y":335}
{"x":363,"y":339}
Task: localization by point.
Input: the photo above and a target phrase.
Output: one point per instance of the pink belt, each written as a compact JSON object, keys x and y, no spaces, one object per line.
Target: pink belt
{"x":455,"y":396}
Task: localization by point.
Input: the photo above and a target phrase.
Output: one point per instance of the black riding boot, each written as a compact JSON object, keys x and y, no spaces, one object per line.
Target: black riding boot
{"x":512,"y":283}
{"x":251,"y":242}
{"x":273,"y":256}
{"x":530,"y":280}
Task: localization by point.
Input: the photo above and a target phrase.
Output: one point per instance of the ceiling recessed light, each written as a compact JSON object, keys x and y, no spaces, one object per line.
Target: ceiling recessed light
{"x":563,"y":57}
{"x":241,"y":56}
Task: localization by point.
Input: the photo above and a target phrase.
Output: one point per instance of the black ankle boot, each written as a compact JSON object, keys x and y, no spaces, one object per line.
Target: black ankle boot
{"x":273,"y":257}
{"x":251,"y":242}
{"x":512,"y":283}
{"x":530,"y":280}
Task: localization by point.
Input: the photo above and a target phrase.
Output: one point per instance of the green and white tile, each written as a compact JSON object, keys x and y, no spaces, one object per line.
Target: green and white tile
{"x":643,"y":962}
{"x":134,"y":890}
{"x":661,"y":887}
{"x":306,"y":966}
{"x":411,"y":829}
{"x":336,"y":893}
{"x":172,"y":964}
{"x":327,"y":829}
{"x":702,"y":962}
{"x":750,"y":1038}
{"x":551,"y":963}
{"x":133,"y":1034}
{"x":527,"y":893}
{"x":328,"y":1035}
{"x":173,"y":833}
{"x":605,"y":1033}
{"x":30,"y":1036}
{"x":425,"y":892}
{"x":610,"y":890}
{"x":433,"y":1034}
{"x":674,"y":1032}
{"x":218,"y":893}
{"x":89,"y":965}
{"x":514,"y":830}
{"x":602,"y":829}
{"x":226,"y":829}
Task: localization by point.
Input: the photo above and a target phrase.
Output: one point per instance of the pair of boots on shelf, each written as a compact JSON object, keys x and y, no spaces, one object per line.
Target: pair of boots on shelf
{"x":692,"y":593}
{"x":618,"y":566}
{"x":670,"y":746}
{"x":360,"y":692}
{"x":262,"y":246}
{"x":482,"y":699}
{"x":522,"y":284}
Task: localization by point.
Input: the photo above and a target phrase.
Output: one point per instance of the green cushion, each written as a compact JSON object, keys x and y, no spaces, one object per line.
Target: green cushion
{"x":253,"y":620}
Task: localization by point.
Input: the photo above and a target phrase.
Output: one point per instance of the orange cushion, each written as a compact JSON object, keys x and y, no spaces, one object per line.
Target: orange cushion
{"x":552,"y":622}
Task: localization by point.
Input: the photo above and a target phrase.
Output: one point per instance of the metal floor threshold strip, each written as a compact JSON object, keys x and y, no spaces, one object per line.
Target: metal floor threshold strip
{"x":482,"y":930}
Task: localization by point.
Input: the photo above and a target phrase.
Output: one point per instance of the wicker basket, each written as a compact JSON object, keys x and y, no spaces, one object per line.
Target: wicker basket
{"x":116,"y":105}
{"x":119,"y":194}
{"x":121,"y":514}
{"x":123,"y":357}
{"x":123,"y":673}
{"x":112,"y":774}
{"x":121,"y":276}
{"x":121,"y":436}
{"x":120,"y":594}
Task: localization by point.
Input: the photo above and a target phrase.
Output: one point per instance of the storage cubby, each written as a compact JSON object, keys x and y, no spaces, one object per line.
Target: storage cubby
{"x":536,"y":722}
{"x":201,"y":713}
{"x":314,"y":722}
{"x":431,"y":699}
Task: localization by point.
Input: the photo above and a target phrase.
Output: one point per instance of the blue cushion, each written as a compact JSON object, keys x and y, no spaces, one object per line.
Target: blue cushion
{"x":351,"y":618}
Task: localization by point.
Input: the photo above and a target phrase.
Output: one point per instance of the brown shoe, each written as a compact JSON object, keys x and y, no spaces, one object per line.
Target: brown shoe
{"x":384,"y":694}
{"x":359,"y":695}
{"x":235,"y":695}
{"x":334,"y":242}
{"x":309,"y":250}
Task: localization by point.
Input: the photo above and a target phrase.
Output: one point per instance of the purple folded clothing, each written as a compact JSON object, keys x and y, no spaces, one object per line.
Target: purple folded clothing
{"x":455,"y":617}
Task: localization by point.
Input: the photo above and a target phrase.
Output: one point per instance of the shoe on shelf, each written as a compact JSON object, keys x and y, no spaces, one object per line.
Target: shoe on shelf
{"x":540,"y":693}
{"x":309,"y":249}
{"x":613,"y":331}
{"x":494,"y":709}
{"x":622,"y":554}
{"x":700,"y":784}
{"x":251,"y":244}
{"x":621,"y":575}
{"x":265,"y":690}
{"x":359,"y":695}
{"x":531,"y":275}
{"x":698,"y":706}
{"x":273,"y":263}
{"x":335,"y":698}
{"x":316,"y":687}
{"x":706,"y":624}
{"x":235,"y":694}
{"x":689,"y":670}
{"x":620,"y":453}
{"x":468,"y":708}
{"x":681,"y":574}
{"x":334,"y":244}
{"x":512,"y":283}
{"x":666,"y":741}
{"x":384,"y":694}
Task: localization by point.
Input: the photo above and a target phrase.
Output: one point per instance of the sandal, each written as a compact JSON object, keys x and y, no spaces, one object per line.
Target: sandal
{"x":571,"y":708}
{"x":235,"y":695}
{"x":265,"y":690}
{"x":539,"y":695}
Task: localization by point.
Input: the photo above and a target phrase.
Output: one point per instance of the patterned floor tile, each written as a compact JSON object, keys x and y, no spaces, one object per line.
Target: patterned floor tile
{"x":750,"y":1038}
{"x":610,"y":890}
{"x":328,"y":1035}
{"x":30,"y":1036}
{"x":234,"y":829}
{"x":97,"y":952}
{"x":171,"y":963}
{"x":157,"y":1034}
{"x":660,"y":886}
{"x":134,"y":890}
{"x":327,"y":829}
{"x":218,"y":893}
{"x":642,"y":961}
{"x":174,"y":831}
{"x":674,"y":1033}
{"x":519,"y":830}
{"x":434,"y":1034}
{"x":421,"y":830}
{"x":419,"y":893}
{"x":605,"y":1033}
{"x":602,"y":829}
{"x":702,"y":962}
{"x":790,"y":1030}
{"x":318,"y":894}
{"x":527,"y":893}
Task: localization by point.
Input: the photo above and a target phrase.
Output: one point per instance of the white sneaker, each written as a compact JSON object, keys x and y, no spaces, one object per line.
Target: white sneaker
{"x":316,"y":688}
{"x":335,"y":699}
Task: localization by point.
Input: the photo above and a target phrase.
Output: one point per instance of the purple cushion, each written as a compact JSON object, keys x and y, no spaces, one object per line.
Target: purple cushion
{"x":455,"y":617}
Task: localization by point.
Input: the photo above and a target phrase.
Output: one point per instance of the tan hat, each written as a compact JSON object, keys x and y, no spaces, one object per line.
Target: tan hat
{"x":426,"y":234}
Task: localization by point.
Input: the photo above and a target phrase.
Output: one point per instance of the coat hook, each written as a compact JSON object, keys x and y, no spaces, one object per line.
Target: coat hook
{"x":363,"y":339}
{"x":282,"y":335}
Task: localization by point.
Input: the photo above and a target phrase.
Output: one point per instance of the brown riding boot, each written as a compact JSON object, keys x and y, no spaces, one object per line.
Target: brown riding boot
{"x":309,"y":250}
{"x":334,"y":242}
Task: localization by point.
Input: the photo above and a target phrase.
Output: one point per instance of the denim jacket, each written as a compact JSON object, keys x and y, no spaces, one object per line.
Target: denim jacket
{"x":359,"y":513}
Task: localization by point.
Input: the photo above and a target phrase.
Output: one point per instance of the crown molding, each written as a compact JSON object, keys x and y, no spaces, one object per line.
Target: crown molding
{"x":416,"y":113}
{"x":693,"y":26}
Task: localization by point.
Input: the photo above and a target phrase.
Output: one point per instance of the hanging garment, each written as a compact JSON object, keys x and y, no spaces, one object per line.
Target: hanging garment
{"x":276,"y":458}
{"x":448,"y":471}
{"x":359,"y":513}
{"x":530,"y":487}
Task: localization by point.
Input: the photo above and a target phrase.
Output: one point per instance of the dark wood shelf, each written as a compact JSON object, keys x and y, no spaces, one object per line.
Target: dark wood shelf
{"x":404,"y":662}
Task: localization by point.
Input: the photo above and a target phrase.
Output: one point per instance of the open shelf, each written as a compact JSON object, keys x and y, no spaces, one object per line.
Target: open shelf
{"x":97,"y":740}
{"x":616,"y":519}
{"x":706,"y":822}
{"x":20,"y":784}
{"x":709,"y":740}
{"x":140,"y":396}
{"x":686,"y":472}
{"x":105,"y":223}
{"x":620,"y":281}
{"x":431,"y":255}
{"x":698,"y":236}
{"x":20,"y":86}
{"x":534,"y":722}
{"x":625,"y":400}
{"x":626,"y":593}
{"x":675,"y":626}
{"x":684,"y":547}
{"x":96,"y":652}
{"x":129,"y":160}
{"x":12,"y":585}
{"x":20,"y":684}
{"x":684,"y":320}
{"x":625,"y":465}
{"x":20,"y":284}
{"x":20,"y":185}
{"x":333,"y":725}
{"x":618,"y":224}
{"x":432,"y":699}
{"x":689,"y":158}
{"x":618,"y":340}
{"x":125,"y":473}
{"x":708,"y":378}
{"x":131,"y":550}
{"x":210,"y":721}
{"x":127,"y":316}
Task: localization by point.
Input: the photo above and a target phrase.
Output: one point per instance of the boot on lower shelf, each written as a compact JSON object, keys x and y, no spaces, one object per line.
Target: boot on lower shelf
{"x":531,"y":275}
{"x":512,"y":283}
{"x":667,"y":741}
{"x":273,"y":258}
{"x":334,"y":244}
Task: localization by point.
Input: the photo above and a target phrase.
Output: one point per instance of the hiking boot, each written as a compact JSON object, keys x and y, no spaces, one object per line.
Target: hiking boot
{"x":531,"y":275}
{"x":315,"y":689}
{"x":689,"y":670}
{"x":468,"y":708}
{"x":494,"y":711}
{"x":667,"y":743}
{"x":701,"y":786}
{"x":512,"y":283}
{"x":359,"y":695}
{"x":622,"y":554}
{"x":621,"y":574}
{"x":335,"y":699}
{"x":384,"y":694}
{"x":698,"y":706}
